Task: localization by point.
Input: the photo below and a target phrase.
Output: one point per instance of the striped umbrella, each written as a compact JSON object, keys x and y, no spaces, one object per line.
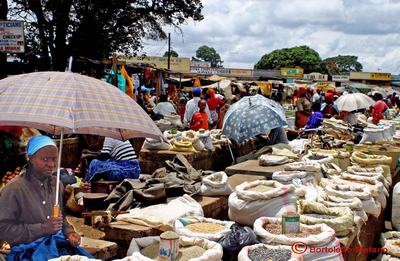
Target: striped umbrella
{"x":65,"y":102}
{"x":74,"y":103}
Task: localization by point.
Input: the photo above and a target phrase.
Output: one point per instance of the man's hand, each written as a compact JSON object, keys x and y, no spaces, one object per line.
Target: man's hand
{"x":74,"y":239}
{"x":53,"y":225}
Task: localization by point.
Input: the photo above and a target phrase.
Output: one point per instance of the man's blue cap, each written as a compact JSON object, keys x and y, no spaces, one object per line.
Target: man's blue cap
{"x":197,"y":91}
{"x":38,"y":142}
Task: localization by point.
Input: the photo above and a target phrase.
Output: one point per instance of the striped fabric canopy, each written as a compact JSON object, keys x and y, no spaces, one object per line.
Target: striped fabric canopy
{"x":51,"y":101}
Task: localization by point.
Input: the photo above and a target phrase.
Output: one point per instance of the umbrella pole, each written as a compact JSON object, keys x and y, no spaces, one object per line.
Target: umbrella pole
{"x":230,"y":150}
{"x":56,"y":208}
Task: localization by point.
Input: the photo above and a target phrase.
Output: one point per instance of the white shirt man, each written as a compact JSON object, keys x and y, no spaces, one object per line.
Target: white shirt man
{"x":192,"y":106}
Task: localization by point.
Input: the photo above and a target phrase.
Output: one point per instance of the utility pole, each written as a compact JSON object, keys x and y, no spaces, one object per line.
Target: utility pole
{"x":169,"y":50}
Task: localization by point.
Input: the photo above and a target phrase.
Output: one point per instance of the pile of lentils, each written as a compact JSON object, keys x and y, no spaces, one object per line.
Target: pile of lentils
{"x":263,"y":253}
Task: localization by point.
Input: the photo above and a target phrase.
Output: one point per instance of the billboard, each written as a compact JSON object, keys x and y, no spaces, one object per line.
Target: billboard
{"x":12,"y":37}
{"x":292,"y":72}
{"x":209,"y":70}
{"x":316,"y":76}
{"x":340,"y":78}
{"x":375,"y":76}
{"x":176,"y":64}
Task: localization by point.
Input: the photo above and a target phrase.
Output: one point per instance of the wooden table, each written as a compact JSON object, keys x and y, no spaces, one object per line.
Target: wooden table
{"x":251,"y":167}
{"x":238,"y":179}
{"x":100,"y":249}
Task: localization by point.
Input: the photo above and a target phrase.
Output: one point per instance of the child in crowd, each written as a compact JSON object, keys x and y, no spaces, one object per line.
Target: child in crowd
{"x":200,"y":119}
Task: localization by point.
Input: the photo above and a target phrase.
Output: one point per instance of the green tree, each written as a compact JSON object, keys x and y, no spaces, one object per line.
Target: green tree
{"x":343,"y":64}
{"x":299,"y":56}
{"x":208,"y":54}
{"x":173,"y":53}
{"x":96,"y":28}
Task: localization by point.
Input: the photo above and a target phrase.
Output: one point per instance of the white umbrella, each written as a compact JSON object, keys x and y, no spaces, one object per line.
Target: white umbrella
{"x":354,"y":101}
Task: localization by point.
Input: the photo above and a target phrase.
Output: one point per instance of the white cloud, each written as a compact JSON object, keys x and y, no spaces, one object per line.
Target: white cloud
{"x":243,"y":31}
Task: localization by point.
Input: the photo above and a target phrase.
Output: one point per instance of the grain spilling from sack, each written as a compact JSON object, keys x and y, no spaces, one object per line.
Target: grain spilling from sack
{"x":205,"y":227}
{"x":260,"y":188}
{"x":263,"y":253}
{"x":186,"y":253}
{"x":276,"y":229}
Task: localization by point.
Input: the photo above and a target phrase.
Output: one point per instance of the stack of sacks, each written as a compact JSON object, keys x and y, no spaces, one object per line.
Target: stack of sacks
{"x":352,"y":191}
{"x":371,"y":161}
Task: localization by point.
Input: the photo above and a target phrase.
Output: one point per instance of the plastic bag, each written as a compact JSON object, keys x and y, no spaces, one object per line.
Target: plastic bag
{"x":240,"y":237}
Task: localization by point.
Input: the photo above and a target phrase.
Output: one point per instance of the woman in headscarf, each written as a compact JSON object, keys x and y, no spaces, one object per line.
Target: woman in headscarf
{"x":377,"y":111}
{"x":303,"y":105}
{"x":213,"y":102}
{"x":27,"y":201}
{"x":329,"y":108}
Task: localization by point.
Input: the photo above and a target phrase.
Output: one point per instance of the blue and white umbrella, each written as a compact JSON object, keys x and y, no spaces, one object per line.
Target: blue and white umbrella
{"x":251,"y":116}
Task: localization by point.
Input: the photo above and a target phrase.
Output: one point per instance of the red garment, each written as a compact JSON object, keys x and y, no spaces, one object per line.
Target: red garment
{"x":14,"y":130}
{"x":182,"y":111}
{"x":377,"y":111}
{"x":329,"y":97}
{"x":199,"y":121}
{"x":213,"y":103}
{"x":301,"y":91}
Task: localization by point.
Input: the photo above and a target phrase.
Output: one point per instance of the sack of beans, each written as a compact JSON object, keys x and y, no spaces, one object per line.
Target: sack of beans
{"x":370,"y":206}
{"x":269,"y":231}
{"x":287,"y":177}
{"x":391,"y":241}
{"x":260,"y":198}
{"x":341,"y":220}
{"x":193,"y":249}
{"x":215,"y":184}
{"x":266,"y":252}
{"x":201,"y":227}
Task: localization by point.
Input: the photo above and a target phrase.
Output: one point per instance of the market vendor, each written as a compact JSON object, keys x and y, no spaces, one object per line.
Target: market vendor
{"x":329,"y":107}
{"x":27,"y":201}
{"x":117,"y":161}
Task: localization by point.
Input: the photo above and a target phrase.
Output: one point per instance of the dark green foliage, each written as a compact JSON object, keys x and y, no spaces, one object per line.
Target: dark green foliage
{"x":57,"y":29}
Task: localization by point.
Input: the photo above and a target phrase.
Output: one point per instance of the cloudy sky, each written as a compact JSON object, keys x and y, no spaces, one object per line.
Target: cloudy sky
{"x":243,"y":31}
